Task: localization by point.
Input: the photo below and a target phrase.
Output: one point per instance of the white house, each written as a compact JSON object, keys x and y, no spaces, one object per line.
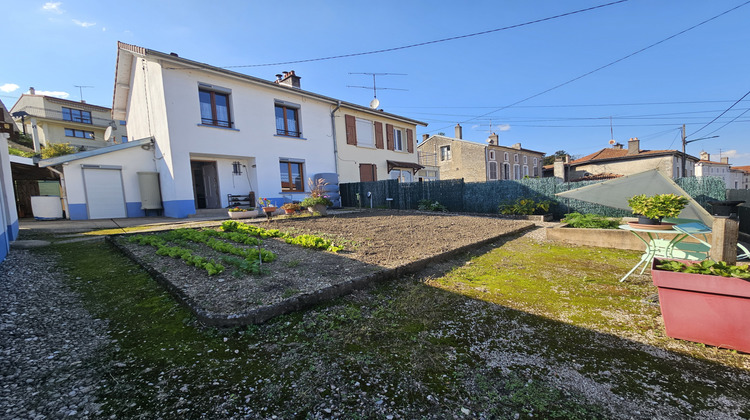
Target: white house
{"x":705,"y":167}
{"x":208,"y":133}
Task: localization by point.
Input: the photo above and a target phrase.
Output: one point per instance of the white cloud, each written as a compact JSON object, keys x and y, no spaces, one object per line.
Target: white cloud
{"x":83,"y":24}
{"x":104,"y":29}
{"x":53,"y":7}
{"x":9,"y":87}
{"x":57,"y":94}
{"x":503,"y":127}
{"x":475,"y":127}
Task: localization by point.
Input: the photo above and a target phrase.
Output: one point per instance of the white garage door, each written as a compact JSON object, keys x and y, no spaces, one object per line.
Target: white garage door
{"x":104,"y":195}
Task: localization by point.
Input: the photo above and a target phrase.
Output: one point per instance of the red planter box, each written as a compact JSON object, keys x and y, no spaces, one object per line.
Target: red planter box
{"x":707,"y":309}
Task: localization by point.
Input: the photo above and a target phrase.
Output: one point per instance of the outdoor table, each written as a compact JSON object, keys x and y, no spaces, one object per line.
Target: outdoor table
{"x":656,"y":246}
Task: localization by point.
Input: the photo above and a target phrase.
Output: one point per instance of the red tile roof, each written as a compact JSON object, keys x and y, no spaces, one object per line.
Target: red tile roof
{"x":741,"y":168}
{"x":611,"y":153}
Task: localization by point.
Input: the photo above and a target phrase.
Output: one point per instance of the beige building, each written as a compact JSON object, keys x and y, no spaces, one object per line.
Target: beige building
{"x":455,"y":158}
{"x":49,"y":120}
{"x":618,"y":161}
{"x":372,"y":145}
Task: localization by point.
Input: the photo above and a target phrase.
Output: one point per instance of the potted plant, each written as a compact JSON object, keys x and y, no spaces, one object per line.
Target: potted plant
{"x":317,"y":202}
{"x":241,"y":213}
{"x":527,"y":208}
{"x":706,"y":302}
{"x":651,"y":209}
{"x":267,"y":207}
{"x":291,"y":208}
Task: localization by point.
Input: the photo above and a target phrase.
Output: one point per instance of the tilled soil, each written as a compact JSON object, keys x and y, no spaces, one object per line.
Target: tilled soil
{"x":375,"y":244}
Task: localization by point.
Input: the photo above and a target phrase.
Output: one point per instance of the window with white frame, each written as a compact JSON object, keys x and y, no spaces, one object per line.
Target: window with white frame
{"x":525,"y":170}
{"x":492,"y":155}
{"x":445,"y":153}
{"x":493,"y":170}
{"x":403,"y":175}
{"x":515,"y":157}
{"x":506,"y":170}
{"x":536,"y":172}
{"x":398,"y":139}
{"x":365,"y":133}
{"x":525,"y":160}
{"x":516,"y":171}
{"x":505,"y":156}
{"x":536,"y":162}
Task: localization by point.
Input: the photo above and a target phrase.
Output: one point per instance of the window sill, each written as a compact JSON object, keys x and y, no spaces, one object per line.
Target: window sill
{"x":217,"y":126}
{"x":289,"y":137}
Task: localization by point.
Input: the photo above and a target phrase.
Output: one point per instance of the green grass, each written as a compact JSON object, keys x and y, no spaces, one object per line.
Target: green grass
{"x":404,"y":347}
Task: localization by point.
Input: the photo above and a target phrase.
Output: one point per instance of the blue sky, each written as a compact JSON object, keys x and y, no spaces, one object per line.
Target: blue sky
{"x":689,"y":79}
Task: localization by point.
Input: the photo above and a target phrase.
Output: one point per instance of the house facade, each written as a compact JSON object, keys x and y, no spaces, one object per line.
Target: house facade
{"x":617,"y":161}
{"x":743,"y":175}
{"x":202,"y":134}
{"x":455,"y":158}
{"x":734,"y":178}
{"x":49,"y":120}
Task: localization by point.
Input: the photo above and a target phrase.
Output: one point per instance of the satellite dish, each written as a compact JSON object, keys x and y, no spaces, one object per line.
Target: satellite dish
{"x":612,"y":142}
{"x":374,"y":103}
{"x":107,"y":133}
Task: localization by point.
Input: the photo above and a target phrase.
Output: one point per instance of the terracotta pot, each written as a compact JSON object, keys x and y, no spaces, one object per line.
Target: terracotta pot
{"x":289,"y":211}
{"x":269,"y":209}
{"x":703,"y":308}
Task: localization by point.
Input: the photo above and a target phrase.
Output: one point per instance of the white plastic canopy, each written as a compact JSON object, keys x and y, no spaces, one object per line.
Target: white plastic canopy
{"x":616,"y":192}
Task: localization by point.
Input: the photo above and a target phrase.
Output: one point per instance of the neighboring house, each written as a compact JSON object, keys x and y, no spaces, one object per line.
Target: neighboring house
{"x":455,"y":158}
{"x":743,"y":173}
{"x":616,"y":161}
{"x":49,"y":120}
{"x":733,"y":177}
{"x":373,"y":145}
{"x":201,"y":133}
{"x":8,"y":215}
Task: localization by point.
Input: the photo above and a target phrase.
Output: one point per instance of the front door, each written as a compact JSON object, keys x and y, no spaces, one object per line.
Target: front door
{"x":205,"y":185}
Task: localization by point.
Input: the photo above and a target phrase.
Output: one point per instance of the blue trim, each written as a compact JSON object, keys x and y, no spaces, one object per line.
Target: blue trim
{"x":78,"y":211}
{"x":133,"y":209}
{"x":4,"y":246}
{"x":217,"y":126}
{"x":179,"y":208}
{"x":13,"y":231}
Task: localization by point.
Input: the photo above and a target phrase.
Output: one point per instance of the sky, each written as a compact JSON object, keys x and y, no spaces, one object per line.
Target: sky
{"x":636,"y":68}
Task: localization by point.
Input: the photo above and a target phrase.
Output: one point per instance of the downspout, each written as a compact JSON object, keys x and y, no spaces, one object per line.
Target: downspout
{"x":63,"y":192}
{"x":333,"y":130}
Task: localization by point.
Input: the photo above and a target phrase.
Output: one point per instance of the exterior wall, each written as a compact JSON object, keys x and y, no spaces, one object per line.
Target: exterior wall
{"x":720,"y":170}
{"x":350,"y":156}
{"x":173,"y":109}
{"x":132,"y":161}
{"x":467,"y":161}
{"x":512,"y":152}
{"x":47,"y":124}
{"x":8,"y":215}
{"x":667,"y":165}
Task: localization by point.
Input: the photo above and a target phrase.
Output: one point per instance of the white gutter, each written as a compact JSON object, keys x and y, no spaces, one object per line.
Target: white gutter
{"x":335,"y":146}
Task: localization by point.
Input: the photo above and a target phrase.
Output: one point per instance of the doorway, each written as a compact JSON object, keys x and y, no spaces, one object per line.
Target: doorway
{"x":205,"y":184}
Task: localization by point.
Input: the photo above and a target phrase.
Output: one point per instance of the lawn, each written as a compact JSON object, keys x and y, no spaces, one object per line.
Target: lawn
{"x":517,"y":329}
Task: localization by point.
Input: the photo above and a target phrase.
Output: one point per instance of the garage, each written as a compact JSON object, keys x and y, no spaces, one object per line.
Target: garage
{"x":105,"y":197}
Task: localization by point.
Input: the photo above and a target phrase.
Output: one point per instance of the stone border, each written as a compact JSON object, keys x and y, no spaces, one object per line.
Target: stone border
{"x":305,"y":300}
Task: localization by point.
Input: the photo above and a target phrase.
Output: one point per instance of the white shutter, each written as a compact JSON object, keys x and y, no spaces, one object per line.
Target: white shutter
{"x":104,"y":195}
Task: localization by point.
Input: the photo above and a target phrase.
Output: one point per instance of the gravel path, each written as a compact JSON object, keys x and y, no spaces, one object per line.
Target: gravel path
{"x":48,"y":343}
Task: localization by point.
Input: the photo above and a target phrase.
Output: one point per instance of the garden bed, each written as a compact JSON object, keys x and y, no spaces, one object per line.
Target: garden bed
{"x":378,"y":245}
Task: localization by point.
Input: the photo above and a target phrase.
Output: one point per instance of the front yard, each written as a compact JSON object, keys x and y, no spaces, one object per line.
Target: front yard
{"x":517,"y":328}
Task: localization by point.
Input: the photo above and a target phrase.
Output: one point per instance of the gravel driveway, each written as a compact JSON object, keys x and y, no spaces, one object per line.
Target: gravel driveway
{"x":48,"y":343}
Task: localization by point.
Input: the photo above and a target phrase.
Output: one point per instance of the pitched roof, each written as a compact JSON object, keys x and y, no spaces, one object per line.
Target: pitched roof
{"x":741,"y":168}
{"x":126,"y":52}
{"x":622,"y":154}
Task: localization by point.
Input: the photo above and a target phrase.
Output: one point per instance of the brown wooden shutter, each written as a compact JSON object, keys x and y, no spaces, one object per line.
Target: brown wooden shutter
{"x":409,"y":140}
{"x":351,"y":129}
{"x":389,"y":136}
{"x":379,"y":134}
{"x":367,"y":172}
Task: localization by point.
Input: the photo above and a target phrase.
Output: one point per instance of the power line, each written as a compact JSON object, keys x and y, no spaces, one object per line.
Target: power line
{"x":719,"y":116}
{"x":571,"y":105}
{"x":421,"y":44}
{"x":607,"y":65}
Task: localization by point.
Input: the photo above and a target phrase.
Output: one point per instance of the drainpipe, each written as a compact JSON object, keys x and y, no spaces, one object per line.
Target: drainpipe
{"x":63,"y":192}
{"x":335,"y":146}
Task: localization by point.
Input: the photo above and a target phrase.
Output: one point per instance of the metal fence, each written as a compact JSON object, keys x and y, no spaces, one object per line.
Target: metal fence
{"x":485,"y":197}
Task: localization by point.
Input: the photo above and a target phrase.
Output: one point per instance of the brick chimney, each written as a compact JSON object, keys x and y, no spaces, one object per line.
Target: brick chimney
{"x":725,"y":160}
{"x":425,"y":137}
{"x":634,"y":146}
{"x":559,"y":168}
{"x":705,"y":156}
{"x":288,"y":79}
{"x":617,"y":146}
{"x":459,"y":132}
{"x":493,"y":139}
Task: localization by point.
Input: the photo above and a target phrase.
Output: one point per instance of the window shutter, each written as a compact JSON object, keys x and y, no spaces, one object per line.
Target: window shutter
{"x":351,"y":129}
{"x":389,"y":136}
{"x":374,"y":172}
{"x":367,"y":172}
{"x":378,"y":134}
{"x":409,"y":140}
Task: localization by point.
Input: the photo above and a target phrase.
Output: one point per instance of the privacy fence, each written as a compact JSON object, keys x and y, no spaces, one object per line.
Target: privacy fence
{"x":485,"y":197}
{"x":743,"y":211}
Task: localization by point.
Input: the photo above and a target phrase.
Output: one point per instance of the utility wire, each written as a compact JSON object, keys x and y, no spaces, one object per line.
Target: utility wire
{"x":420,"y":44}
{"x":719,"y":116}
{"x":606,"y":65}
{"x":570,"y":105}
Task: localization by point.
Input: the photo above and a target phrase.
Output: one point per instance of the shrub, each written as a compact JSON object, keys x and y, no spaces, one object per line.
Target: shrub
{"x":58,"y":149}
{"x":590,"y":221}
{"x":525,"y":206}
{"x":429,"y":205}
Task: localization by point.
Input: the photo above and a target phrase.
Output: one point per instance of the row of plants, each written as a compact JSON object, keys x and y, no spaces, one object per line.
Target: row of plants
{"x":429,"y":205}
{"x":162,"y":248}
{"x":525,"y":206}
{"x":591,"y":221}
{"x":708,"y":267}
{"x":307,"y":241}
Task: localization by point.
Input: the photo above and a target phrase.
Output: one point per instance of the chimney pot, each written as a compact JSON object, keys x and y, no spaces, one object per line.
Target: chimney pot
{"x":634,"y":146}
{"x":290,"y":79}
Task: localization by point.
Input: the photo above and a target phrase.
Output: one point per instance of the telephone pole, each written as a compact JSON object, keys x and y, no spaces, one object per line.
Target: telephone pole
{"x":685,"y":142}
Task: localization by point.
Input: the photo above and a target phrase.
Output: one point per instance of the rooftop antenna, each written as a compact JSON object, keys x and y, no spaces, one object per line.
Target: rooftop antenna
{"x":375,"y":102}
{"x":80,"y":89}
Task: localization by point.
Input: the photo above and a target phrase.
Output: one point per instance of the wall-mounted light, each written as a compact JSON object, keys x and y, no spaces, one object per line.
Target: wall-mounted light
{"x":236,"y":168}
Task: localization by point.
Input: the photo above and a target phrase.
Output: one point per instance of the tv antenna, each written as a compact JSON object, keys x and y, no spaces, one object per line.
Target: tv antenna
{"x":375,"y":102}
{"x":80,"y":89}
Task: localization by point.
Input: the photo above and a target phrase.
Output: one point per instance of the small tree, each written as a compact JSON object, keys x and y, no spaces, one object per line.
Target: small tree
{"x":57,"y":149}
{"x":549,"y":160}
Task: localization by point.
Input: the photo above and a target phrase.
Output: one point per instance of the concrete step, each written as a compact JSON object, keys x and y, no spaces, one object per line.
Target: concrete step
{"x":209,"y":213}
